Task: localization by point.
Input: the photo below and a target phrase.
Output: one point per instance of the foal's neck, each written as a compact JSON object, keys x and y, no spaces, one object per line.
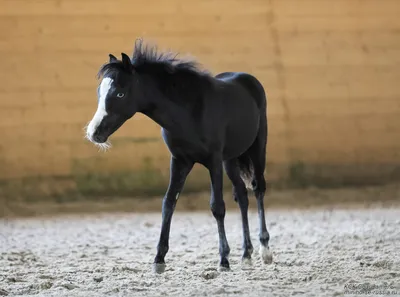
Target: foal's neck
{"x":170,"y":115}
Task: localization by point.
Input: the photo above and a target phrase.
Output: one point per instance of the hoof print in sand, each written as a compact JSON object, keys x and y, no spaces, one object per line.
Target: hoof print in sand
{"x":210,"y":274}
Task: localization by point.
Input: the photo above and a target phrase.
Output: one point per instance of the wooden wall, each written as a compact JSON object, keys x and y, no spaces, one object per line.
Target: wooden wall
{"x":331,"y":70}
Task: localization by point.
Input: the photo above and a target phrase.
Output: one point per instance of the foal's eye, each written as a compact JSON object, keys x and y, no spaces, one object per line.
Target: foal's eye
{"x":120,"y":95}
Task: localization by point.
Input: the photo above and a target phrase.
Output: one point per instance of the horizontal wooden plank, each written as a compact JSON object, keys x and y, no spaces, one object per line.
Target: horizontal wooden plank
{"x":375,"y":122}
{"x":351,"y":132}
{"x":277,"y":150}
{"x":344,"y":142}
{"x":378,"y":140}
{"x":343,"y":123}
{"x":73,"y":7}
{"x":308,"y":8}
{"x":69,"y":26}
{"x":72,"y":134}
{"x":316,"y":48}
{"x":28,"y":26}
{"x":43,"y":133}
{"x":60,"y":70}
{"x":347,"y":73}
{"x":338,"y":40}
{"x":45,"y":114}
{"x":333,"y":23}
{"x":314,"y":126}
{"x":276,"y":107}
{"x":277,"y":125}
{"x":311,"y":8}
{"x":337,"y":48}
{"x":92,"y":61}
{"x":341,"y":81}
{"x":363,"y":156}
{"x":121,"y":157}
{"x":351,"y":106}
{"x":42,"y":159}
{"x":358,"y":56}
{"x":184,"y":44}
{"x":130,"y":8}
{"x":11,"y":117}
{"x":69,"y":97}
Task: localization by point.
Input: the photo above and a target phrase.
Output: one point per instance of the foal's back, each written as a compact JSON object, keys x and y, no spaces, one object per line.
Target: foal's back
{"x":251,"y":84}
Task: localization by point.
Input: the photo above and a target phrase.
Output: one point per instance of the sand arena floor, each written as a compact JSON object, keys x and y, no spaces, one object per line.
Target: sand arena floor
{"x":324,"y":252}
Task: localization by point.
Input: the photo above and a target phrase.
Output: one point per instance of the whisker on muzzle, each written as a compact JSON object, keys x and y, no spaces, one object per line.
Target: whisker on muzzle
{"x":86,"y":127}
{"x":104,"y":146}
{"x":86,"y":132}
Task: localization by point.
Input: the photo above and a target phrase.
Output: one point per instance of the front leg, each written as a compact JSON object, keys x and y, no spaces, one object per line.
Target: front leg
{"x":179,"y":170}
{"x":218,"y":209}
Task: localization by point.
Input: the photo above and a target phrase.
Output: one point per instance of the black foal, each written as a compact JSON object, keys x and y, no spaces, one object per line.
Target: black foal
{"x":219,"y":122}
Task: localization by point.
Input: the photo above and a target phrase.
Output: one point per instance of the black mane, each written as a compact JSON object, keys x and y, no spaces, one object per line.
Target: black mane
{"x":146,"y":59}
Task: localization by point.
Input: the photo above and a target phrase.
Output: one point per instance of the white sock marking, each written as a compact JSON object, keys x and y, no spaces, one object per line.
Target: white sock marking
{"x":265,"y":254}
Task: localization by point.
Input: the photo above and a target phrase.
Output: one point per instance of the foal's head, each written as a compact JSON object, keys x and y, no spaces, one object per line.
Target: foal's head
{"x":117,"y":100}
{"x":138,"y":84}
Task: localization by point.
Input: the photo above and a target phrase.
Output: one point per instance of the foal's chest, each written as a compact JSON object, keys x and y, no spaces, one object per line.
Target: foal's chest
{"x":194,"y":146}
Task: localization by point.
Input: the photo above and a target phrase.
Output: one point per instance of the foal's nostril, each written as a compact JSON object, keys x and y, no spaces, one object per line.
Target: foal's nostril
{"x":98,"y":138}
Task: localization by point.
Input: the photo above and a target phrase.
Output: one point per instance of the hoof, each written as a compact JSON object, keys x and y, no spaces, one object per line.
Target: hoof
{"x":224,"y":265}
{"x":247,"y":262}
{"x":265,"y":254}
{"x":158,"y":267}
{"x":223,"y":268}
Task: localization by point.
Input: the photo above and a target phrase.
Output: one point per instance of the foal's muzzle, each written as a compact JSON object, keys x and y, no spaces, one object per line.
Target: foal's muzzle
{"x":98,"y":138}
{"x":100,"y":131}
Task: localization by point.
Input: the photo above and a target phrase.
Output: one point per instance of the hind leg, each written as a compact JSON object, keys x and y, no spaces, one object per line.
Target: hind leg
{"x":257,"y":156}
{"x":240,"y":194}
{"x":259,"y":191}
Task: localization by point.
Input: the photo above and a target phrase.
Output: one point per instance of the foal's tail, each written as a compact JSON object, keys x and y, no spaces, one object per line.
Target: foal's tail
{"x":252,"y":162}
{"x":246,"y":170}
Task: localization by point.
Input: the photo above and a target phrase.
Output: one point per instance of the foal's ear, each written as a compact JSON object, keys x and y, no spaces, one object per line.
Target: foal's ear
{"x":112,"y":58}
{"x":126,"y":61}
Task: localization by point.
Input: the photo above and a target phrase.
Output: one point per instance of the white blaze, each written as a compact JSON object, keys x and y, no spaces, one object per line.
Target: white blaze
{"x":101,"y":108}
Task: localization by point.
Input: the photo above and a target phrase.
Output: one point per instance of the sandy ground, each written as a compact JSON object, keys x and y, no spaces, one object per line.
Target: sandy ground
{"x":323,"y":252}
